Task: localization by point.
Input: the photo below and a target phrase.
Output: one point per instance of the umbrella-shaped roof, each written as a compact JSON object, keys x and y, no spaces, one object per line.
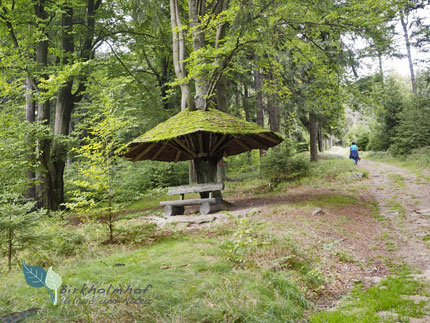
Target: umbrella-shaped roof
{"x":193,"y":134}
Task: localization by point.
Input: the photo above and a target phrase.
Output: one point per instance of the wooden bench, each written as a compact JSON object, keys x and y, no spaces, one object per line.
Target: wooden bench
{"x":207,"y":205}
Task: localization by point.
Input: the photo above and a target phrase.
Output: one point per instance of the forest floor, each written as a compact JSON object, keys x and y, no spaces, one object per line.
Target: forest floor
{"x":346,"y":244}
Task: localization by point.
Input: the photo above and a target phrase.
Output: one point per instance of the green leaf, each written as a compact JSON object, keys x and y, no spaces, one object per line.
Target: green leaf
{"x":53,"y":280}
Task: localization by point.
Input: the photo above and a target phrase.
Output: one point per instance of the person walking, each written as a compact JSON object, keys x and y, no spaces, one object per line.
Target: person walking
{"x":353,"y":153}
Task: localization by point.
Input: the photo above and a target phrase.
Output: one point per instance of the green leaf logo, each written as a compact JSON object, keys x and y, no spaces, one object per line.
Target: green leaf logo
{"x":37,"y":277}
{"x":53,"y":281}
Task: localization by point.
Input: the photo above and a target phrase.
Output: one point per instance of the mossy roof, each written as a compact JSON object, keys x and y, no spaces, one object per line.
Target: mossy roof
{"x":194,"y":134}
{"x":186,"y":122}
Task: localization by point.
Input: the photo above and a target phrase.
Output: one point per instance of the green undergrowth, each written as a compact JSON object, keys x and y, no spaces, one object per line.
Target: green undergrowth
{"x":385,"y":302}
{"x":328,"y":171}
{"x":193,"y":278}
{"x":417,"y":162}
{"x":399,"y":180}
{"x":246,"y":270}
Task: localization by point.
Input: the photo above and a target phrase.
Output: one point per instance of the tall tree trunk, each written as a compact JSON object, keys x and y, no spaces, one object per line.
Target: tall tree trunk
{"x":274,"y":121}
{"x":221,"y":96}
{"x":273,"y":108}
{"x":313,"y":136}
{"x":221,"y":87}
{"x":9,"y":248}
{"x":408,"y":49}
{"x":259,"y":95}
{"x":196,"y":11}
{"x":163,"y":82}
{"x":178,"y":49}
{"x":63,"y":113}
{"x":43,"y":112}
{"x":192,"y":176}
{"x":30,"y":115}
{"x":381,"y":71}
{"x":247,"y":113}
{"x":320,"y":140}
{"x":206,"y":170}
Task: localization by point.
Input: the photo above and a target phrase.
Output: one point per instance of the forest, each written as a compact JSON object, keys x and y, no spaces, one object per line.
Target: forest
{"x":108,"y":106}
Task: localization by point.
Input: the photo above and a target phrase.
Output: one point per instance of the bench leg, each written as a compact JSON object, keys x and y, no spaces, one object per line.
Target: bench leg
{"x":207,"y":208}
{"x":170,"y":210}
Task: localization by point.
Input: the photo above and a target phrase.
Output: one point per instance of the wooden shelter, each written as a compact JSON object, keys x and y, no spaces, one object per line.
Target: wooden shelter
{"x":199,"y":134}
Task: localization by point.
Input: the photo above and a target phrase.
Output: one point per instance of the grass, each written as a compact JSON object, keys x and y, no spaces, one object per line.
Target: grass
{"x":197,"y":284}
{"x":399,"y":180}
{"x":396,"y":206}
{"x":247,"y":270}
{"x":416,"y":162}
{"x":388,"y":296}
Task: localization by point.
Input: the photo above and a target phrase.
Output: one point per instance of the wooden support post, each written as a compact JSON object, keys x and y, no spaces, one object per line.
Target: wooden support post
{"x":184,"y":146}
{"x":163,"y":146}
{"x":269,"y":137}
{"x":144,"y":152}
{"x":218,"y":143}
{"x":178,"y":155}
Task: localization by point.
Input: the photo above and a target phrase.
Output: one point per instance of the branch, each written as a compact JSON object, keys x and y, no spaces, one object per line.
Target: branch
{"x":123,"y":65}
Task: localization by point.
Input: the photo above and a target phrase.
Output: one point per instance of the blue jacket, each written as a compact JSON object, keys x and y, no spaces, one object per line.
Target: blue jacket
{"x":354,"y":151}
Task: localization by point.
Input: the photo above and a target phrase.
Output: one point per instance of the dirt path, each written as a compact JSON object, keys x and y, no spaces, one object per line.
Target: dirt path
{"x":404,"y":200}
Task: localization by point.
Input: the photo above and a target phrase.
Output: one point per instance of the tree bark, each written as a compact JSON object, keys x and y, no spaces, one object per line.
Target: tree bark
{"x":221,"y":98}
{"x":320,"y":141}
{"x":381,"y":71}
{"x":408,"y":49}
{"x":163,"y":79}
{"x":30,"y":115}
{"x":178,"y":49}
{"x":206,"y":170}
{"x":247,"y":113}
{"x":221,"y":88}
{"x":10,"y":249}
{"x":274,"y":121}
{"x":221,"y":94}
{"x":53,"y":154}
{"x":273,"y":108}
{"x":196,"y":11}
{"x":313,"y":136}
{"x":192,"y":176}
{"x":63,"y":113}
{"x":44,"y":191}
{"x":259,"y":95}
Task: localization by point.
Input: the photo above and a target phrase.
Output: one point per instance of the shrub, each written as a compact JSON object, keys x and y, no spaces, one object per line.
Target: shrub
{"x":246,"y":238}
{"x":413,"y":130}
{"x":420,"y":156}
{"x":242,"y":163}
{"x":281,"y":164}
{"x":378,"y":141}
{"x":133,"y":180}
{"x":132,"y":233}
{"x":360,"y":135}
{"x":302,"y":147}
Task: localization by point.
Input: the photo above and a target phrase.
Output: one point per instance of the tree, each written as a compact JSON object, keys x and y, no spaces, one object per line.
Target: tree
{"x":95,"y":191}
{"x":53,"y":53}
{"x":17,"y":215}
